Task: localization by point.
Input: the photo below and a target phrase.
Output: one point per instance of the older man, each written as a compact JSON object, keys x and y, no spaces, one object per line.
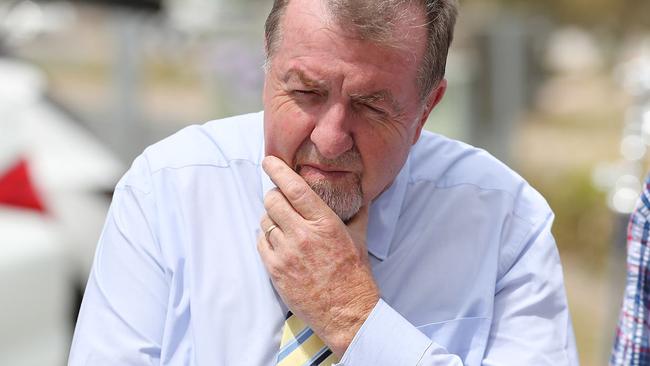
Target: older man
{"x":329,"y":229}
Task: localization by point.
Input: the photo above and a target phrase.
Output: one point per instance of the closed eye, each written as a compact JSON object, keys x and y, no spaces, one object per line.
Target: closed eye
{"x":305,"y":92}
{"x":306,"y":96}
{"x":374,"y":109}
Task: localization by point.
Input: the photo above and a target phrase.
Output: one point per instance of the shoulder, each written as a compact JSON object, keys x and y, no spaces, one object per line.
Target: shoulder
{"x":216,"y":143}
{"x":444,"y":163}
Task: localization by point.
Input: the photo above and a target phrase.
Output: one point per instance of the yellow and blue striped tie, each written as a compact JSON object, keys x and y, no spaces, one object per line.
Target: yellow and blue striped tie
{"x":300,"y":346}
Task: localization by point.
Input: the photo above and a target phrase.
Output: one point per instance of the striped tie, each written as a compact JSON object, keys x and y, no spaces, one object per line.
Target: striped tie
{"x":300,"y":346}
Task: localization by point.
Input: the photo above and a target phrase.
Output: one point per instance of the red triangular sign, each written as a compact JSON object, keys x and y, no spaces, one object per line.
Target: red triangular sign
{"x":16,"y":188}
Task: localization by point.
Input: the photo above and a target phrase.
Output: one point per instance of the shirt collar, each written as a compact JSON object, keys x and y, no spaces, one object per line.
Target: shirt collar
{"x":384,"y":210}
{"x":384,"y":214}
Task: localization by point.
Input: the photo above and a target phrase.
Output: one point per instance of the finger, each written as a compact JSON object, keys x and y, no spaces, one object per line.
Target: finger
{"x":280,"y":210}
{"x":303,"y":199}
{"x":359,"y":222}
{"x":265,"y":223}
{"x":267,"y":254}
{"x":271,"y":231}
{"x":358,"y":227}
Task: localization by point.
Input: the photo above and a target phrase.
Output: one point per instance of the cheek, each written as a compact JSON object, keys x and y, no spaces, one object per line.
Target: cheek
{"x":382,"y":162}
{"x":285,"y":129}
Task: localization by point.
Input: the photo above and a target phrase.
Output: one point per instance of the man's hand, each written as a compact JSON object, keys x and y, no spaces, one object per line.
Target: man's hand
{"x":318,"y":265}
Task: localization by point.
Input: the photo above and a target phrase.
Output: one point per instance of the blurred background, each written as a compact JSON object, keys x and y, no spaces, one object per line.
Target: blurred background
{"x":560,"y":90}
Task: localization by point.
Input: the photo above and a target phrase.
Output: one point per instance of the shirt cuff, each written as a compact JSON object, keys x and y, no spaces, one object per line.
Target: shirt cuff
{"x":386,"y":338}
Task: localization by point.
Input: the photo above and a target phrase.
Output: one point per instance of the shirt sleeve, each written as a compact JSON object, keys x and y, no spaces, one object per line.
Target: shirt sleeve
{"x":386,"y":338}
{"x":122,"y":315}
{"x":633,"y":333}
{"x":530,"y":326}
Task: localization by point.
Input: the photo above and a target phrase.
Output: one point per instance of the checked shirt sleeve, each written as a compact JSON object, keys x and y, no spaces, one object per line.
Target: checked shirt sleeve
{"x":633,"y":333}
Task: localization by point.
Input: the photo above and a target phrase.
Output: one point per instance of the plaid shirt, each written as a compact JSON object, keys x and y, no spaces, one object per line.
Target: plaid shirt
{"x":631,"y":346}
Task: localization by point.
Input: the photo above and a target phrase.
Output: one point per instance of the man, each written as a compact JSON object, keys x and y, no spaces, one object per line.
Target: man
{"x":379,"y":245}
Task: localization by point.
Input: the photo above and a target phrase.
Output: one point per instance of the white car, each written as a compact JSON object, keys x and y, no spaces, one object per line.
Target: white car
{"x":45,"y":256}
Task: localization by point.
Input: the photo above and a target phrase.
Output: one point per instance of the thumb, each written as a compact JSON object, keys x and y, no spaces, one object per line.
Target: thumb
{"x":358,"y":228}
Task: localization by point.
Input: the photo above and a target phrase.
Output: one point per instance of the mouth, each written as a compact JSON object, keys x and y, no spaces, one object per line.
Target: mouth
{"x":321,"y":172}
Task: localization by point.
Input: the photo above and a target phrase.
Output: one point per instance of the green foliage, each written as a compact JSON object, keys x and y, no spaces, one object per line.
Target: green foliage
{"x":583,"y":225}
{"x":614,"y":15}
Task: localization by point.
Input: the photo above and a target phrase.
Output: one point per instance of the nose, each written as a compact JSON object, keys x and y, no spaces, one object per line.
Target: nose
{"x":331,"y":134}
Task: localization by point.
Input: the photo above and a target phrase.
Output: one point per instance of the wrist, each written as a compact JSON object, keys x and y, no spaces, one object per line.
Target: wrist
{"x":347,"y":323}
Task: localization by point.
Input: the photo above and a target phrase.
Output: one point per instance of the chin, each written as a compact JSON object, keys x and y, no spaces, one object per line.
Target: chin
{"x":345,"y":200}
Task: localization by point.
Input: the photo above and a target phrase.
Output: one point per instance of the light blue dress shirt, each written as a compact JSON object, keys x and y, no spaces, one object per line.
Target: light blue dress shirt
{"x":460,"y":246}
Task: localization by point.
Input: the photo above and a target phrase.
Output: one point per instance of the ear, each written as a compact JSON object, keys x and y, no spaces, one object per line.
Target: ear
{"x":264,"y":91}
{"x":265,"y":84}
{"x":432,"y":101}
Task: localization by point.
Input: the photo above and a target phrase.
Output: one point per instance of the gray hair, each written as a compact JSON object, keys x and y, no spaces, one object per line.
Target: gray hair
{"x":374,"y":20}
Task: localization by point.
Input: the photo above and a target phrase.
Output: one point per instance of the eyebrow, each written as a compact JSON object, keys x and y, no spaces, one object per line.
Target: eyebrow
{"x":372,"y":98}
{"x":304,"y":79}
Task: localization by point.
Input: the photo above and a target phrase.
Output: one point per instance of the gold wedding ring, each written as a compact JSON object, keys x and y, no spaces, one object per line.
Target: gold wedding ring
{"x":267,"y":233}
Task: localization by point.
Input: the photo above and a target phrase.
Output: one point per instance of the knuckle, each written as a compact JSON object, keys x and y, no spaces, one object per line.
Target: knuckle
{"x":271,"y":199}
{"x":302,"y":240}
{"x":326,"y":226}
{"x":274,"y":270}
{"x":326,"y":222}
{"x":277,"y":269}
{"x":296,"y":190}
{"x":288,"y":262}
